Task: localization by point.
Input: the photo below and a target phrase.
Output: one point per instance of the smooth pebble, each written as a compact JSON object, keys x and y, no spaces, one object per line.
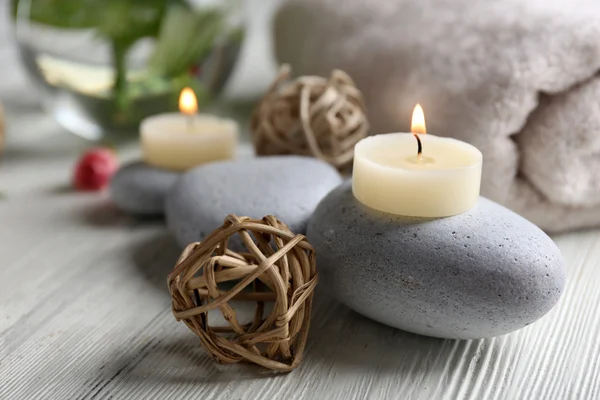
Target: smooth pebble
{"x":140,"y":189}
{"x":483,"y":273}
{"x":289,"y":187}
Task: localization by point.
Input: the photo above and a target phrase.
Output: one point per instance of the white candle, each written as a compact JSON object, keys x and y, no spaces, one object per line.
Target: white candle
{"x":389,"y":175}
{"x":179,"y":141}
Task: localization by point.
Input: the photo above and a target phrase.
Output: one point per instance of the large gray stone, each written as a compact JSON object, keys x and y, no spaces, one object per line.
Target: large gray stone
{"x":288,"y":187}
{"x":483,"y":273}
{"x":141,"y":189}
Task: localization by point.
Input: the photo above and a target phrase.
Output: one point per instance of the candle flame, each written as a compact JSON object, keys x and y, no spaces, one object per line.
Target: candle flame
{"x":187,"y":102}
{"x":418,"y":120}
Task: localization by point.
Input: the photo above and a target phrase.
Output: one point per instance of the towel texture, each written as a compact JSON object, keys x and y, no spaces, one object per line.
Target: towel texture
{"x":518,"y":79}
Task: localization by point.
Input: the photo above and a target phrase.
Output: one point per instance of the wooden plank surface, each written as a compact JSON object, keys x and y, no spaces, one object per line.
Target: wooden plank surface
{"x":85,"y":312}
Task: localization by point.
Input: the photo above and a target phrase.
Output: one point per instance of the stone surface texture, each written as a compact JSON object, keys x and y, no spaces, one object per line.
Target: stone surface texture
{"x":289,"y":187}
{"x":141,"y":189}
{"x":483,"y":273}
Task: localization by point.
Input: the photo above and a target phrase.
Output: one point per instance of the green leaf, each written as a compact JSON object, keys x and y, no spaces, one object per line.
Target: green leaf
{"x":126,"y":21}
{"x":185,"y":38}
{"x":119,"y":20}
{"x":58,"y":13}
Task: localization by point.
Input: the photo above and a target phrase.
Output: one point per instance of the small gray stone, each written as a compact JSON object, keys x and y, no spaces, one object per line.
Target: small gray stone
{"x":289,"y":187}
{"x":141,"y":189}
{"x":483,"y":273}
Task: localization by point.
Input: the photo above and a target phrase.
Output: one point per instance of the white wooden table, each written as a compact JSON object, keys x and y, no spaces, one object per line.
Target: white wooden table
{"x":85,"y":312}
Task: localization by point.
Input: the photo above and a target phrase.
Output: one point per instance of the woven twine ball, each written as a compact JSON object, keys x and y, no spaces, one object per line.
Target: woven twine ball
{"x":278,"y":267}
{"x":311,"y":116}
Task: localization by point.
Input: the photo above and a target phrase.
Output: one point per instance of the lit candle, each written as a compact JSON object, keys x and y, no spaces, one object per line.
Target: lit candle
{"x":416,"y":174}
{"x":179,"y":141}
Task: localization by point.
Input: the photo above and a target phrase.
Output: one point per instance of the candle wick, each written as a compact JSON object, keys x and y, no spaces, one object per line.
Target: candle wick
{"x":419,"y":146}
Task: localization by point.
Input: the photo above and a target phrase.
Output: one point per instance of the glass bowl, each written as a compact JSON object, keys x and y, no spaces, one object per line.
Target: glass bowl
{"x":103,"y":65}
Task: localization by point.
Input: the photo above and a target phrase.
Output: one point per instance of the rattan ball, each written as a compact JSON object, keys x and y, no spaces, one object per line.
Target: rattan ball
{"x":312,"y":116}
{"x":278,"y":266}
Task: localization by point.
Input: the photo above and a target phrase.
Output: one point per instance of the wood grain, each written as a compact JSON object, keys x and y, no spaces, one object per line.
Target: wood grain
{"x":85,"y":311}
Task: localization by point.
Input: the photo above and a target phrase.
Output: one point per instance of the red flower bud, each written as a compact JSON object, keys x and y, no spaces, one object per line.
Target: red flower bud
{"x":94,"y":169}
{"x":194,"y":70}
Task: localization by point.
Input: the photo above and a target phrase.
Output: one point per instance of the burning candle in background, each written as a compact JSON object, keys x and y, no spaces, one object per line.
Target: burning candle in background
{"x":180,"y":141}
{"x":187,"y":102}
{"x":427,"y":177}
{"x":188,"y":105}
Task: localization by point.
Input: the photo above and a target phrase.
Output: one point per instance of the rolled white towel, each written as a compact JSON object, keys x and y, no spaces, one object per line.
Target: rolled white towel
{"x":518,"y":79}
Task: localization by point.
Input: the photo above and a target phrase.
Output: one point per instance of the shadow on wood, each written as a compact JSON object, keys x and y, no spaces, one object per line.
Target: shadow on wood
{"x":177,"y":359}
{"x":340,"y":341}
{"x":155,"y":257}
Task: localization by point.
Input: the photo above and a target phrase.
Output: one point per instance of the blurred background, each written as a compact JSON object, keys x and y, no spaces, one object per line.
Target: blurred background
{"x":99,"y":67}
{"x":518,"y":80}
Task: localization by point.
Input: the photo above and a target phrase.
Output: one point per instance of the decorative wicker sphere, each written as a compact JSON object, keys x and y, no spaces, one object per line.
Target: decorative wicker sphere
{"x":278,"y":267}
{"x":311,"y":116}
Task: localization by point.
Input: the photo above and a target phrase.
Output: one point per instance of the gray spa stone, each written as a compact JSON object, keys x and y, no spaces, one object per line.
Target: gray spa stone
{"x":483,"y":273}
{"x":141,"y":189}
{"x":289,"y":187}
